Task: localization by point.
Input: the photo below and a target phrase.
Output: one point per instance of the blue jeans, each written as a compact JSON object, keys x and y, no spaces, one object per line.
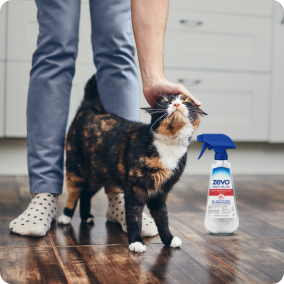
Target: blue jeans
{"x":53,"y":69}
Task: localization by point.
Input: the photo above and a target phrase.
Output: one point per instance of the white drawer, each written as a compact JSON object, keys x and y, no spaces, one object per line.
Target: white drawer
{"x":2,"y":30}
{"x":16,"y":99}
{"x":2,"y":99}
{"x":23,"y":30}
{"x":237,"y":104}
{"x":252,"y":7}
{"x":207,"y":41}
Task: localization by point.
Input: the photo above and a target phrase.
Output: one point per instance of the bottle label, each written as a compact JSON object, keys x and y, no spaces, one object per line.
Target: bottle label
{"x":221,"y":201}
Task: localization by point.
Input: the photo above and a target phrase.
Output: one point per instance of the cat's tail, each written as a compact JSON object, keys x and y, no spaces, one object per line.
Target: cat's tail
{"x":91,"y":97}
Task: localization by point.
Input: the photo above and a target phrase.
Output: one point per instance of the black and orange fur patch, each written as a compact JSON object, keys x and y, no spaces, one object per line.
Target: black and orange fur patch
{"x":105,"y":150}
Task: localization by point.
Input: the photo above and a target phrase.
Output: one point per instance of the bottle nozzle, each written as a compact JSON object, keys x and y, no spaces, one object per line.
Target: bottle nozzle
{"x":204,"y":147}
{"x":219,"y":142}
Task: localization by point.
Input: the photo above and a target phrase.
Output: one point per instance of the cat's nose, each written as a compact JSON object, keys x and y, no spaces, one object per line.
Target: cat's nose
{"x":176,"y":104}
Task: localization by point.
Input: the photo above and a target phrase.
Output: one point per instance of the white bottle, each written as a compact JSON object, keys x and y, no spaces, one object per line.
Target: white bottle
{"x":221,"y":216}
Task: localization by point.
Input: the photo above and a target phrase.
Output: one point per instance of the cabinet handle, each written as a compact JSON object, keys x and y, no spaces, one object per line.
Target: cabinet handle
{"x":191,"y":23}
{"x":189,"y":81}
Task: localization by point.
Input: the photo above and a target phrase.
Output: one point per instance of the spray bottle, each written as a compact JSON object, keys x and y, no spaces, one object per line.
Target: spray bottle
{"x":221,"y":216}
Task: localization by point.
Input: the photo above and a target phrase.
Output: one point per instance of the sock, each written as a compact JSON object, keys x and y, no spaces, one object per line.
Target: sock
{"x":37,"y":218}
{"x":116,"y":213}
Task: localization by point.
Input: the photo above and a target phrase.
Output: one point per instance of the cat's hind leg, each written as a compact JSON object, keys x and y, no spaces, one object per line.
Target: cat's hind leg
{"x":85,"y":204}
{"x":75,"y":185}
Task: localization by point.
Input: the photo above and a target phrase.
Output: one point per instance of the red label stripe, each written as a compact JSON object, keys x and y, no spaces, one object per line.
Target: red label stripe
{"x":216,"y":192}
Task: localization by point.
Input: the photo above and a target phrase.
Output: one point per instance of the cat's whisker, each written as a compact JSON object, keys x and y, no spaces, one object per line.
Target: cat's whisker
{"x":157,"y":120}
{"x":163,"y":107}
{"x":158,"y":112}
{"x":160,"y":92}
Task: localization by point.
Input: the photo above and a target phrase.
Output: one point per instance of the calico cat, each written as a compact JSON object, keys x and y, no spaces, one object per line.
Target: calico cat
{"x":145,"y":161}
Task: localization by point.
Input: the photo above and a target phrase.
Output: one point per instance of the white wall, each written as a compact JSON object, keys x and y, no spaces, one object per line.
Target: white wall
{"x":248,"y":158}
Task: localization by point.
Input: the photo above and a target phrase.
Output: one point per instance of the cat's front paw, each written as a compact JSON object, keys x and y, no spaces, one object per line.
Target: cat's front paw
{"x":176,"y":242}
{"x":137,"y":247}
{"x":63,"y":219}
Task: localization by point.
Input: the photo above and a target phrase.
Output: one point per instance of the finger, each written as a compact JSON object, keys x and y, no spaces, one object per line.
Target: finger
{"x":185,"y":92}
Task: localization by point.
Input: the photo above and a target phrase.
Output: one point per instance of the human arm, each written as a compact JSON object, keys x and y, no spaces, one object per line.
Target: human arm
{"x":149,"y":20}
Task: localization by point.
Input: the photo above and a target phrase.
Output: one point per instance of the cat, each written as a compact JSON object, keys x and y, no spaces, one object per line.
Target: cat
{"x":145,"y":161}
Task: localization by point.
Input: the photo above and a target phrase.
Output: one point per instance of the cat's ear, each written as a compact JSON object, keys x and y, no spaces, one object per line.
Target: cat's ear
{"x":201,"y":112}
{"x":148,"y":109}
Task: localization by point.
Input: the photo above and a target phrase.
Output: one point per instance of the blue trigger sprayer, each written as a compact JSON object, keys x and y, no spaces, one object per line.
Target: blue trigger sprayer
{"x":221,"y":216}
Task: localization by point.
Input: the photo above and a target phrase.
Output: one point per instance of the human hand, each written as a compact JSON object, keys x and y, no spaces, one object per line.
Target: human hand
{"x":156,"y":88}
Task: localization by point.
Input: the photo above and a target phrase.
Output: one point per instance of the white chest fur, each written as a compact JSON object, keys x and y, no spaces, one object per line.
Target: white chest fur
{"x":172,"y":148}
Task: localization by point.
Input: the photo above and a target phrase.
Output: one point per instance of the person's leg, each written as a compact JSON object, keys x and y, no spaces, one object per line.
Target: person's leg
{"x":117,"y":82}
{"x":114,"y":57}
{"x":53,"y":68}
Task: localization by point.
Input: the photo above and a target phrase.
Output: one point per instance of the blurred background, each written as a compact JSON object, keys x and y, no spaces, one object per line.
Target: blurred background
{"x":227,"y":53}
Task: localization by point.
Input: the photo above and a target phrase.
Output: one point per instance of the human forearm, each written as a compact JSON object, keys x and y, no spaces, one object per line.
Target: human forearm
{"x":149,"y":20}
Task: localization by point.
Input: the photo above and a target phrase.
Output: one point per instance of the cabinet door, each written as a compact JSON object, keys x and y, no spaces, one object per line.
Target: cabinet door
{"x":251,"y":7}
{"x":212,"y":41}
{"x":2,"y":109}
{"x":237,"y":104}
{"x":3,"y":30}
{"x":17,"y":95}
{"x":2,"y":64}
{"x":277,"y":112}
{"x":23,"y":30}
{"x":16,"y":99}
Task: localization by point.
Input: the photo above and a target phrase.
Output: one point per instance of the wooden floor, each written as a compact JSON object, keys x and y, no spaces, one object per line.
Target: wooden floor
{"x":82,"y":253}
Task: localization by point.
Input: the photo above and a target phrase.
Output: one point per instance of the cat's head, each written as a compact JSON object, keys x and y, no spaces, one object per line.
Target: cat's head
{"x":173,"y":113}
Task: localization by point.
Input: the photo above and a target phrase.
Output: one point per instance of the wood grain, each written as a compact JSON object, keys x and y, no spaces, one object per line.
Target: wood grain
{"x":100,"y":233}
{"x":260,"y":202}
{"x":260,"y":261}
{"x":99,"y":253}
{"x":30,"y":265}
{"x":8,"y":239}
{"x":116,"y":264}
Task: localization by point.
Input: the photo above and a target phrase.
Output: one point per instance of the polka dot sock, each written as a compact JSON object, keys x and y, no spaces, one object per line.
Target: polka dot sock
{"x":116,"y":213}
{"x":37,"y":218}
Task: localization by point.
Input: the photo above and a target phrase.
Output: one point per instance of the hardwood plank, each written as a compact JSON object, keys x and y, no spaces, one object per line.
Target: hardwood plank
{"x":98,"y":253}
{"x":260,"y":203}
{"x":9,"y":239}
{"x":30,"y":265}
{"x":14,"y":196}
{"x":116,"y":264}
{"x":252,"y":226}
{"x":100,"y":233}
{"x":260,"y":261}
